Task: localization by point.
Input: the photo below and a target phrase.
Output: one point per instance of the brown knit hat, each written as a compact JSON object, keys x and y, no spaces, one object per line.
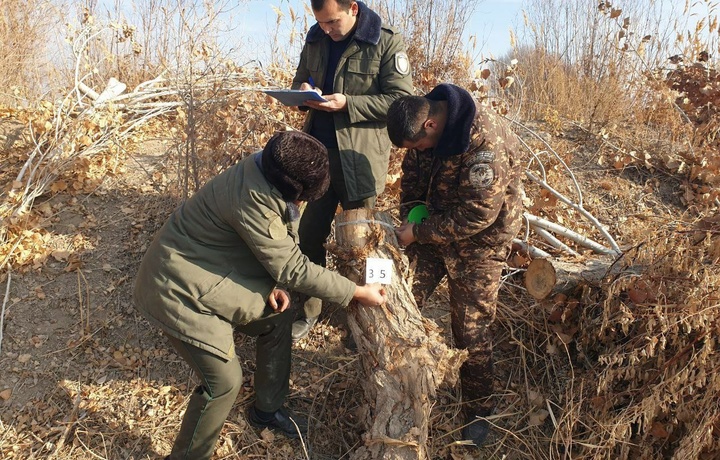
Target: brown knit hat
{"x":296,"y":164}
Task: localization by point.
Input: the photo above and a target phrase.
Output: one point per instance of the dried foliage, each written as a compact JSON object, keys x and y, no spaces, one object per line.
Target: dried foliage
{"x":24,"y":26}
{"x":647,"y":356}
{"x":434,"y":32}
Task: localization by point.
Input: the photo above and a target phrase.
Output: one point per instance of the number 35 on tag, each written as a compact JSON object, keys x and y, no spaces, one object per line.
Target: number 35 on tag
{"x":378,"y":271}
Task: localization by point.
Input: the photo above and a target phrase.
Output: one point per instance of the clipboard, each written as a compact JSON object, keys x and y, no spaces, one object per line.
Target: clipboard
{"x":294,"y":97}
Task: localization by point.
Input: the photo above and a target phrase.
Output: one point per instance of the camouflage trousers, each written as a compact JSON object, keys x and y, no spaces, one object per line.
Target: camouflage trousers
{"x":473,"y":295}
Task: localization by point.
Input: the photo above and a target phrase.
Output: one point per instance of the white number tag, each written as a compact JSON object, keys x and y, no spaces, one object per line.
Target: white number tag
{"x":378,"y":271}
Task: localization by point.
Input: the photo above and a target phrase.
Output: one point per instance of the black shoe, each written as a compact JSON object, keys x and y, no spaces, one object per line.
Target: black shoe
{"x":302,"y":326}
{"x":476,"y":430}
{"x":282,"y":421}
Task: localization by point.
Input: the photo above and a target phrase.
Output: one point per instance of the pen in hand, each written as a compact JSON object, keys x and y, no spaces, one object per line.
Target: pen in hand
{"x":311,"y":81}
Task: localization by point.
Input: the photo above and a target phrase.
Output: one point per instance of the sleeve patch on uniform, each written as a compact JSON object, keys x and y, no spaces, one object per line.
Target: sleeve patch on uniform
{"x":277,"y":229}
{"x":402,"y":63}
{"x":486,"y":156}
{"x":482,"y":175}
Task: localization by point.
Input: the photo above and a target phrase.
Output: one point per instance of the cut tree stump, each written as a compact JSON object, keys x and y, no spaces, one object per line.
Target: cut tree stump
{"x":545,"y":276}
{"x":403,"y":355}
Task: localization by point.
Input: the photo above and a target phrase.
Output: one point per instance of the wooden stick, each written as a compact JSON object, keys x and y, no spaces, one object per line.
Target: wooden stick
{"x":2,"y":313}
{"x":70,"y":423}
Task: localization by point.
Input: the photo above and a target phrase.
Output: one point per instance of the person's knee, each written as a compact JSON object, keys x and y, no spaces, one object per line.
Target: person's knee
{"x":225,"y":384}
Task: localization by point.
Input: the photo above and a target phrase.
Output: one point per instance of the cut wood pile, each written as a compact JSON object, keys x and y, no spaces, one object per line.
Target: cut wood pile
{"x":623,"y":365}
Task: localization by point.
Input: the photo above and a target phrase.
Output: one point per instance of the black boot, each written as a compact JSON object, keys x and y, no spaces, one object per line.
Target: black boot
{"x":282,"y":420}
{"x":476,"y":429}
{"x":302,"y":326}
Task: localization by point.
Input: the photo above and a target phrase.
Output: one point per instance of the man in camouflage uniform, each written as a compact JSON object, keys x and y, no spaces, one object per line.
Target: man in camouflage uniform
{"x":462,"y":164}
{"x":360,"y":66}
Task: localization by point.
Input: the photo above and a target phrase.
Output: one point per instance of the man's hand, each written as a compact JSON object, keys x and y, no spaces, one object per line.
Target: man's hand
{"x":279,"y":300}
{"x":335,"y":103}
{"x":307,"y":87}
{"x":370,"y":295}
{"x":405,"y":234}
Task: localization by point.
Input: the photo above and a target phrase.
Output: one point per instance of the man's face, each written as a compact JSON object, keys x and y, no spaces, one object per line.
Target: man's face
{"x":337,"y":22}
{"x":421,"y":144}
{"x":428,"y":140}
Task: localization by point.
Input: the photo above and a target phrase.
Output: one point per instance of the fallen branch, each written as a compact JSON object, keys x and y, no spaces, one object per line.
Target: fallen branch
{"x":569,"y":234}
{"x":578,"y":207}
{"x":546,"y":276}
{"x":554,"y":242}
{"x":530,"y":249}
{"x":70,"y":423}
{"x":2,"y":313}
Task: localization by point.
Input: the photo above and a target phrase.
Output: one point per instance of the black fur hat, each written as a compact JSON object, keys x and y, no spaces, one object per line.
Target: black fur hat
{"x":296,"y":164}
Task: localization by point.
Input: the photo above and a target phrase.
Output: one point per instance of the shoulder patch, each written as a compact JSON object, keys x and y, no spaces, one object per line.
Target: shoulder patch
{"x":402,"y":63}
{"x":485,"y":156}
{"x":481,"y":175}
{"x":276,"y":228}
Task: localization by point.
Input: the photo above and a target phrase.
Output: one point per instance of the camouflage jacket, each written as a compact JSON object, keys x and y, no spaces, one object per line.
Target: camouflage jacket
{"x":218,"y":257}
{"x":373,"y":71}
{"x":470,"y":182}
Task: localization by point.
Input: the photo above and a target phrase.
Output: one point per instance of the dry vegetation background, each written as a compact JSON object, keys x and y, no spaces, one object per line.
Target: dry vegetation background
{"x":617,"y":105}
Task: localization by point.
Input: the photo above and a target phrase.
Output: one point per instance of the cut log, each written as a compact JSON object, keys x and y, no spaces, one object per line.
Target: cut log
{"x":403,"y":355}
{"x":546,"y":276}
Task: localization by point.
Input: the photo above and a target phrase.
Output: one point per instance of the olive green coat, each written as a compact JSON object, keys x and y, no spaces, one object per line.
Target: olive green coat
{"x":218,"y":257}
{"x":372,"y":72}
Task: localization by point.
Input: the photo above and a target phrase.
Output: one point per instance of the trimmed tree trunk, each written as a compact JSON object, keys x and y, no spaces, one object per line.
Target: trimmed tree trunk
{"x":545,"y":276}
{"x":403,"y":355}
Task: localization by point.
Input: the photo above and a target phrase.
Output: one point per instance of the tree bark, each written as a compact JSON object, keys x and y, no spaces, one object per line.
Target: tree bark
{"x":403,"y":355}
{"x":546,"y":276}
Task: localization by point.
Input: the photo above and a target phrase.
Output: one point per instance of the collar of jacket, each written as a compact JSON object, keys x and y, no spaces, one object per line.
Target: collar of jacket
{"x":292,"y":210}
{"x":455,"y":139}
{"x":367,"y":30}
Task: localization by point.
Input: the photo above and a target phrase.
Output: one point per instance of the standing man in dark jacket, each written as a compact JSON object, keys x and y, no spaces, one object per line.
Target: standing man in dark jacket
{"x":462,"y":164}
{"x":360,"y":66}
{"x":224,"y":260}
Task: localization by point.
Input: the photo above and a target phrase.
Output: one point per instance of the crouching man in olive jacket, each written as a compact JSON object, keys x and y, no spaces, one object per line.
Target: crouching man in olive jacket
{"x":222,"y":261}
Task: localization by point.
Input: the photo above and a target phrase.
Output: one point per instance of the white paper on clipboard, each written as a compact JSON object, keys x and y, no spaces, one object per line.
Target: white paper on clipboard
{"x":294,"y":97}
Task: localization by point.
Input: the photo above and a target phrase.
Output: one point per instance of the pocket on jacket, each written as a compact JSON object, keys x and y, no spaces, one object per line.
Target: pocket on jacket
{"x":234,"y":301}
{"x":361,"y":73}
{"x":314,"y":60}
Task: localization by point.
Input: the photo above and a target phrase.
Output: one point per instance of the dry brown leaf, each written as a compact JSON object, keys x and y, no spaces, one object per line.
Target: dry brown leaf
{"x":637,"y":295}
{"x":658,"y":430}
{"x":59,"y":186}
{"x":5,"y":394}
{"x":60,"y":256}
{"x":506,"y":82}
{"x":536,"y":399}
{"x":538,"y":417}
{"x":555,"y":316}
{"x":267,"y":435}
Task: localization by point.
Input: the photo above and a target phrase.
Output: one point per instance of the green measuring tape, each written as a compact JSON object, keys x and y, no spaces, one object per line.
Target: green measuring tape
{"x":418,"y":214}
